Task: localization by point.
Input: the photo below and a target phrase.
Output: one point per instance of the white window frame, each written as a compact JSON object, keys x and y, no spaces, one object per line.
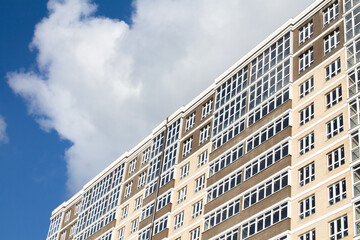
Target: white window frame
{"x":138,"y":203}
{"x":306,"y":60}
{"x":336,"y":158}
{"x":124,"y":212}
{"x":331,"y":13}
{"x":307,"y":143}
{"x":337,"y":192}
{"x":306,"y":114}
{"x":310,"y":235}
{"x":307,"y":207}
{"x":195,"y":234}
{"x":128,"y":189}
{"x":207,"y":109}
{"x":333,"y":97}
{"x":197,"y":209}
{"x":306,"y":87}
{"x":145,"y":156}
{"x":335,"y":126}
{"x":134,"y":225}
{"x":200,"y":183}
{"x":202,"y":158}
{"x":181,"y":195}
{"x":306,"y":32}
{"x":184,"y":170}
{"x":160,"y":225}
{"x":187,"y":146}
{"x":132,"y":166}
{"x":307,"y":174}
{"x":178,"y":220}
{"x":141,"y":180}
{"x":331,"y":41}
{"x":121,"y":233}
{"x":204,"y":134}
{"x":339,"y":228}
{"x":333,"y":69}
{"x":190,"y":122}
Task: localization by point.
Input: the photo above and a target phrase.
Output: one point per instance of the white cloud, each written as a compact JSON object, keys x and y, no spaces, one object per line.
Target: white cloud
{"x":104,"y":85}
{"x":3,"y":136}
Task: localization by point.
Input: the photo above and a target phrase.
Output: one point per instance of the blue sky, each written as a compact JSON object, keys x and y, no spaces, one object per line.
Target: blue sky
{"x":95,"y":81}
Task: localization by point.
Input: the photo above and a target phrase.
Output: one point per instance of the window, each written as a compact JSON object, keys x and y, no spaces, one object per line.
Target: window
{"x":306,"y":32}
{"x":187,"y":146}
{"x":268,"y":106}
{"x":310,"y":235}
{"x":157,"y":145}
{"x":164,"y":200}
{"x":337,"y":192}
{"x":267,"y":132}
{"x":221,"y":214}
{"x":181,"y":195}
{"x":113,"y":198}
{"x":307,"y":207}
{"x":153,"y":170}
{"x":307,"y":143}
{"x":170,"y":157}
{"x":145,"y":156}
{"x":190,"y":121}
{"x":179,"y":220}
{"x":199,"y":183}
{"x":335,"y":126}
{"x":268,"y":59}
{"x":351,"y":20}
{"x":265,"y":220}
{"x":132,"y":166}
{"x":124,"y":212}
{"x":166,"y":177}
{"x":229,"y":89}
{"x":138,"y":203}
{"x":128,"y":189}
{"x":63,"y":235}
{"x":307,"y":174}
{"x":144,"y":234}
{"x":173,"y":133}
{"x":202,"y":159}
{"x":77,"y":208}
{"x":195,"y":234}
{"x":232,"y":235}
{"x":339,"y":228}
{"x":333,"y":97}
{"x":331,"y":13}
{"x":160,"y":225}
{"x":206,"y":109}
{"x":197,"y":209}
{"x":141,"y":180}
{"x":357,"y":217}
{"x":184,"y":171}
{"x":150,"y":188}
{"x":263,"y":191}
{"x":336,"y":158}
{"x":72,"y":230}
{"x":121,"y":233}
{"x":306,"y":114}
{"x":134,"y":225}
{"x":147,"y":211}
{"x":67,"y":216}
{"x":229,"y":114}
{"x":307,"y":87}
{"x":224,"y":186}
{"x":331,"y":41}
{"x":306,"y":59}
{"x":227,"y":135}
{"x":226,"y":159}
{"x":333,"y":69}
{"x":204,"y":133}
{"x":266,"y":160}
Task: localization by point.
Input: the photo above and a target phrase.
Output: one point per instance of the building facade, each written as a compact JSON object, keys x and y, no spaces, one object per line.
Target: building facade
{"x":269,"y":151}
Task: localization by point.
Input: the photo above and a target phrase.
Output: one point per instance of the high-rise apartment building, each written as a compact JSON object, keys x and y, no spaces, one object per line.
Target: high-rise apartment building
{"x":269,"y":151}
